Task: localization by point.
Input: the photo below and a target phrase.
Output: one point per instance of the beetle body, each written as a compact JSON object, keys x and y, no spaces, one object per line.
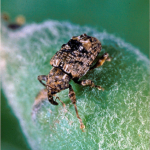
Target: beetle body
{"x":76,"y":56}
{"x":72,"y":61}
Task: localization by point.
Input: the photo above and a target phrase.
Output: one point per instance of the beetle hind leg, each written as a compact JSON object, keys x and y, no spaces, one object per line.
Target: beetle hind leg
{"x":72,"y":96}
{"x":100,"y":62}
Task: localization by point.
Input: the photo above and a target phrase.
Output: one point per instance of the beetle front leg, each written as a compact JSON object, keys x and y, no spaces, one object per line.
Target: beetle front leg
{"x":100,"y":62}
{"x":44,"y":78}
{"x":60,"y":101}
{"x":72,"y":96}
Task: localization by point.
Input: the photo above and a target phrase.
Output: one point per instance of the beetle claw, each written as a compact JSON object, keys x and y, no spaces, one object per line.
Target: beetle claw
{"x":100,"y":88}
{"x":109,"y":59}
{"x":82,"y":126}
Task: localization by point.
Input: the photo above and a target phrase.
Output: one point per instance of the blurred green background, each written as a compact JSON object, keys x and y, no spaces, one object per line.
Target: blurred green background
{"x":126,"y":19}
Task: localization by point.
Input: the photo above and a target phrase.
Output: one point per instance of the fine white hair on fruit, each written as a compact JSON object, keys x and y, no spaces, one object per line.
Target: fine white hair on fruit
{"x":116,"y":117}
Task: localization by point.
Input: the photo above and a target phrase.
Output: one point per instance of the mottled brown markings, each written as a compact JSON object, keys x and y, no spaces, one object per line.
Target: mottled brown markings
{"x":72,"y":61}
{"x":75,"y":54}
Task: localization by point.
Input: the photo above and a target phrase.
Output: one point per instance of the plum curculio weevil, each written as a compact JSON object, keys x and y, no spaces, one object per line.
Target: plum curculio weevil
{"x":71,"y":62}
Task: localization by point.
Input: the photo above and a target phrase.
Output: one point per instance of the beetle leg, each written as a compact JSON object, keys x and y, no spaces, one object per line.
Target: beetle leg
{"x":89,"y":83}
{"x":72,"y":96}
{"x":100,"y":62}
{"x":44,"y":78}
{"x":60,"y":101}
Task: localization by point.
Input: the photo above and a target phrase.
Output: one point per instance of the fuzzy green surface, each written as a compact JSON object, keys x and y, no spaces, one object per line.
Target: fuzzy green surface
{"x":117,"y":118}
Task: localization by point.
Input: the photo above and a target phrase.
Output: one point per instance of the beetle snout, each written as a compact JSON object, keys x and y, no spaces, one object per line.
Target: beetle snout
{"x":50,"y":99}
